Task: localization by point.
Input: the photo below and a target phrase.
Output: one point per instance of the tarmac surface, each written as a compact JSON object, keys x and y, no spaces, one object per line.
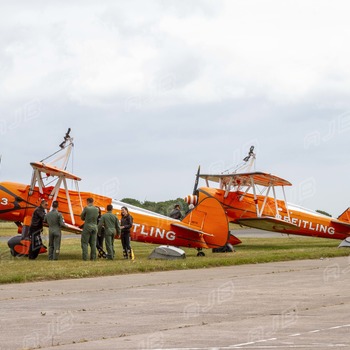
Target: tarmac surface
{"x":285,"y":305}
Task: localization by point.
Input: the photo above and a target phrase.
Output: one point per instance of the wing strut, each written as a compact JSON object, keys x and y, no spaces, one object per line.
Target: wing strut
{"x":255,"y":198}
{"x":59,"y":174}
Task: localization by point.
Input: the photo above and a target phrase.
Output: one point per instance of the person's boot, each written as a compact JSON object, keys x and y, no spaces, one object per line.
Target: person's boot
{"x":125,"y":254}
{"x":131,"y":254}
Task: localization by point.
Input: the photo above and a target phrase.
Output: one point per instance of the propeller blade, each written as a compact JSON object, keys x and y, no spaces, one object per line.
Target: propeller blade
{"x":197,"y":179}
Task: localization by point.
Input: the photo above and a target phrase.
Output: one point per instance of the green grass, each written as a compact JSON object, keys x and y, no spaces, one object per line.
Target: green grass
{"x":7,"y":229}
{"x":70,"y":265}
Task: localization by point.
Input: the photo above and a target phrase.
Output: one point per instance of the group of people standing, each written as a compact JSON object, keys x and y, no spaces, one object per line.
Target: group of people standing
{"x":95,"y":225}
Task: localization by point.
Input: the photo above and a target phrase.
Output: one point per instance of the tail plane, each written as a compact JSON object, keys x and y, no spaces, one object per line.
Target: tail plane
{"x":345,"y":216}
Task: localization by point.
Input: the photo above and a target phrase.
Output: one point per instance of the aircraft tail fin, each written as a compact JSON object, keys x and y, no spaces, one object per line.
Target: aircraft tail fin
{"x":209,"y":219}
{"x":345,"y":216}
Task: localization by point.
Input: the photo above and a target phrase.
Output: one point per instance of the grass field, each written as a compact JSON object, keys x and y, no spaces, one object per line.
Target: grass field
{"x":70,"y":265}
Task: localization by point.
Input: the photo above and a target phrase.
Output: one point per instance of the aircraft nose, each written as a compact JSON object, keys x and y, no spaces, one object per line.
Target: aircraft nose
{"x":4,"y":197}
{"x":191,"y":199}
{"x":8,"y":201}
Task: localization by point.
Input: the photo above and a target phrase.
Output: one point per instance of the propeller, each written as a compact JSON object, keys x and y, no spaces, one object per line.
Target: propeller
{"x":196,"y":182}
{"x":193,"y":198}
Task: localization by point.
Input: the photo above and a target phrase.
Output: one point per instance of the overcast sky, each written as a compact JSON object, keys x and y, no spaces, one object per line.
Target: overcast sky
{"x":152,"y":89}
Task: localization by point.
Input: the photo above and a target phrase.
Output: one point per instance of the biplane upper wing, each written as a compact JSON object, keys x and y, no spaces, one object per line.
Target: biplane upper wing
{"x":267,"y":224}
{"x":246,"y":179}
{"x":53,"y":171}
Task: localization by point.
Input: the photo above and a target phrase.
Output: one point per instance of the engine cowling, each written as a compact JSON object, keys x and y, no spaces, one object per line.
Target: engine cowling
{"x":191,"y":199}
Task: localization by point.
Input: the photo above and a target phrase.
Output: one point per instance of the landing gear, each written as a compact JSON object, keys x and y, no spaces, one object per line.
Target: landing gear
{"x":200,"y":252}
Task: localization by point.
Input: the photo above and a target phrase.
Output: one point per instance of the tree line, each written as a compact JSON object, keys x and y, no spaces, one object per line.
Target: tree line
{"x":163,"y":208}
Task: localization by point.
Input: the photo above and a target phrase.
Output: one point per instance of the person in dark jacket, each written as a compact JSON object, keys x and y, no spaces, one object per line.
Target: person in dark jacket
{"x":100,"y":236}
{"x":125,"y":226}
{"x":35,"y":230}
{"x":176,"y":213}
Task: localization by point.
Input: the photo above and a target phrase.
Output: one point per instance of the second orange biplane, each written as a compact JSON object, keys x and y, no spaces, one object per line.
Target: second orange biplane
{"x":204,"y":227}
{"x":247,"y":201}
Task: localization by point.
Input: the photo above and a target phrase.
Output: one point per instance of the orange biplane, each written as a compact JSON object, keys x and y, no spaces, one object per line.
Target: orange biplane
{"x":204,"y":227}
{"x":245,"y":197}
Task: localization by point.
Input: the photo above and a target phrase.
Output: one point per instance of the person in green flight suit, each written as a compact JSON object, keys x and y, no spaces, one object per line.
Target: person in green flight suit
{"x":55,"y":221}
{"x":88,"y":236}
{"x":111,"y":225}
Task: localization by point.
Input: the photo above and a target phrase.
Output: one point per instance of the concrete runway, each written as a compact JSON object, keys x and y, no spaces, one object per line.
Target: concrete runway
{"x":285,"y":305}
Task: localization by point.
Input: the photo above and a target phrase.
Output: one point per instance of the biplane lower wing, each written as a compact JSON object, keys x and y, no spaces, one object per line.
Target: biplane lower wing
{"x":234,"y":240}
{"x":206,"y":223}
{"x":267,"y":224}
{"x":69,"y":228}
{"x":72,"y":228}
{"x":197,"y":232}
{"x":190,"y":235}
{"x":341,"y":226}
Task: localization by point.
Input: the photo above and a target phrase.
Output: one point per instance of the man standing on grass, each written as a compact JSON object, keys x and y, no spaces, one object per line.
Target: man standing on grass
{"x":35,"y":230}
{"x":55,"y":221}
{"x":110,"y":223}
{"x":88,"y":236}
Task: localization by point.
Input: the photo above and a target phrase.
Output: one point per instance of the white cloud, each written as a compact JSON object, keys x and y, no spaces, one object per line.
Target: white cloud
{"x":164,"y":85}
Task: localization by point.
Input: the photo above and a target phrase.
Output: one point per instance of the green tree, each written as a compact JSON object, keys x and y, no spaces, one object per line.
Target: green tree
{"x":132,"y":201}
{"x":163,"y":208}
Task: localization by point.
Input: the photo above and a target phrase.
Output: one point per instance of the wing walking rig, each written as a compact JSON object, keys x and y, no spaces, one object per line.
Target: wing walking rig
{"x":250,"y":199}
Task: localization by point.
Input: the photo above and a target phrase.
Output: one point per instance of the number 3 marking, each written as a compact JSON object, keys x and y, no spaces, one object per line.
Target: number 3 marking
{"x":4,"y":201}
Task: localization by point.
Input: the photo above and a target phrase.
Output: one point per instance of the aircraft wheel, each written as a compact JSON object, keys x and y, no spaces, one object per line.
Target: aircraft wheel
{"x":200,"y":254}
